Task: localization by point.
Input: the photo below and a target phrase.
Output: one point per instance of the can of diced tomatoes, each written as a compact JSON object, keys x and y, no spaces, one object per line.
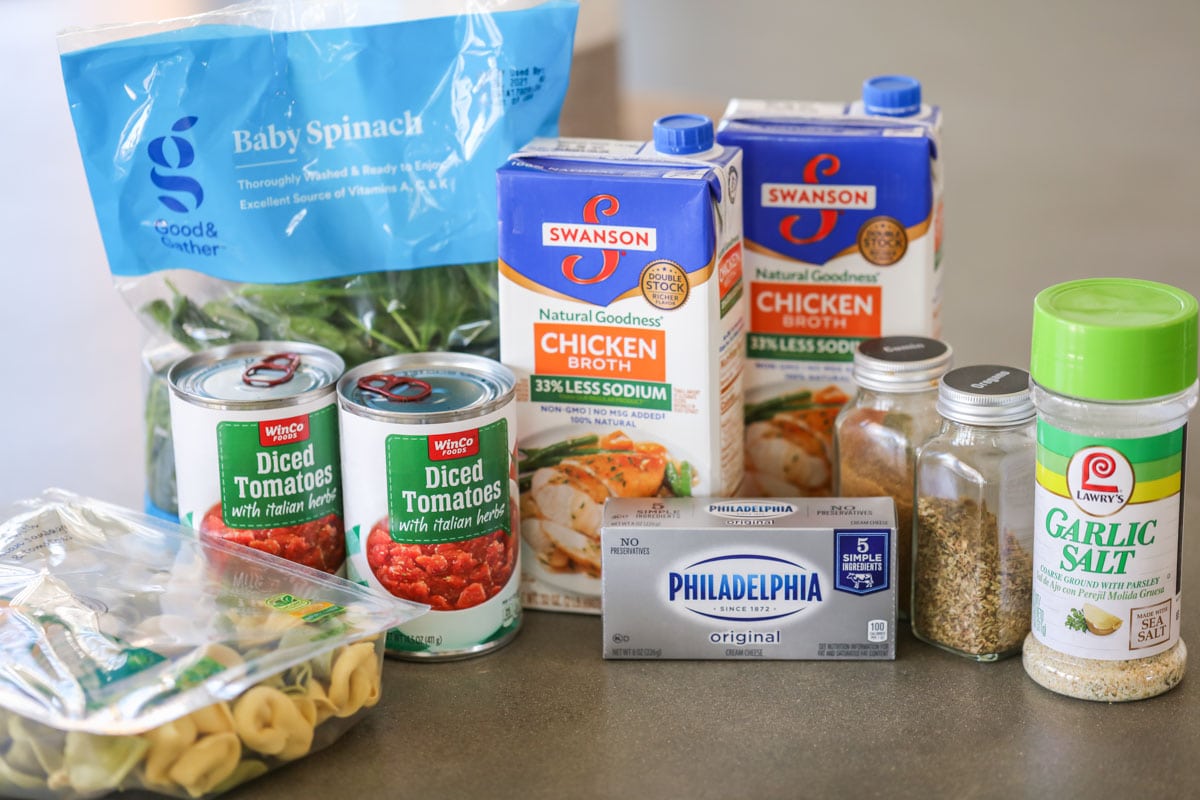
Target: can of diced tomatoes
{"x":256,"y":448}
{"x":429,"y":465}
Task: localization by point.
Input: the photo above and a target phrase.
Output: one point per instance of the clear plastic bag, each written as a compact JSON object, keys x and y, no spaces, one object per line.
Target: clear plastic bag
{"x":137,"y":657}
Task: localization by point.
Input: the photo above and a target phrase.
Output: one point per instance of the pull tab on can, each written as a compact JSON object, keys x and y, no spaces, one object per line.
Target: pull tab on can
{"x":284,"y":366}
{"x":386,"y":385}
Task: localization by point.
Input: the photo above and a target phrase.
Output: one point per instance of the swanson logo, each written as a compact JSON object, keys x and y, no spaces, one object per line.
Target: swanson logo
{"x":178,"y":156}
{"x":828,"y":199}
{"x":611,"y":240}
{"x":744,"y":587}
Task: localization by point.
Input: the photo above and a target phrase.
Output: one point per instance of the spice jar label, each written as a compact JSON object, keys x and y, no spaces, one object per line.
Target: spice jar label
{"x":1106,"y":581}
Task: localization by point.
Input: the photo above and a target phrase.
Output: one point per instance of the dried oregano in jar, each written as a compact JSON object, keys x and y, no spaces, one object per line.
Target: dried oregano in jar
{"x":876,"y":435}
{"x":1114,"y":379}
{"x":974,"y":528}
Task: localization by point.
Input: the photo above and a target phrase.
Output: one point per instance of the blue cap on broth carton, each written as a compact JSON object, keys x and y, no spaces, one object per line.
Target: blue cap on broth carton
{"x":891,"y":95}
{"x":683,"y":134}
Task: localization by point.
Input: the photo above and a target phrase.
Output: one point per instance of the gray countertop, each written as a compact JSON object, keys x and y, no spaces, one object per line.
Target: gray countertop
{"x":546,"y":717}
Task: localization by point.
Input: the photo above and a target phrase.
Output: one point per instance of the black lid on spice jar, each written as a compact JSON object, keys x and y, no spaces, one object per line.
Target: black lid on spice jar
{"x":901,"y":363}
{"x":986,"y":394}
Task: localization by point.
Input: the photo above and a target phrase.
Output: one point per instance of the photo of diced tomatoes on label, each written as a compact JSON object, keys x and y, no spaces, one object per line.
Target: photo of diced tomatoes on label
{"x":319,"y":543}
{"x":449,"y":576}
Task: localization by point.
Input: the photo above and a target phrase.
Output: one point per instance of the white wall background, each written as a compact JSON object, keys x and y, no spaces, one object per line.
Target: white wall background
{"x":1072,"y":150}
{"x":70,"y":405}
{"x":1072,"y":136}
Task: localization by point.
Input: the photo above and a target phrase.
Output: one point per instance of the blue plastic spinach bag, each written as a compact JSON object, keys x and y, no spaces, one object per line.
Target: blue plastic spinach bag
{"x":319,"y":170}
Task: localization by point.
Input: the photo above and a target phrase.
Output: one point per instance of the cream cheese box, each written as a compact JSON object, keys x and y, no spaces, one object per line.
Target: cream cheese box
{"x":711,"y":578}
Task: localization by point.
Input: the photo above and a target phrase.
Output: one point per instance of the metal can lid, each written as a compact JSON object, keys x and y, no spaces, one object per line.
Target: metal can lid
{"x":426,"y":387}
{"x":986,"y":394}
{"x":901,"y":363}
{"x":251,"y":375}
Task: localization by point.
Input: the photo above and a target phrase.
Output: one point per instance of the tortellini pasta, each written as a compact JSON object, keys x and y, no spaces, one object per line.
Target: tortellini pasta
{"x":166,"y":744}
{"x":316,"y":699}
{"x":268,"y":721}
{"x":210,"y":750}
{"x":206,"y":763}
{"x":216,"y":718}
{"x":354,"y":682}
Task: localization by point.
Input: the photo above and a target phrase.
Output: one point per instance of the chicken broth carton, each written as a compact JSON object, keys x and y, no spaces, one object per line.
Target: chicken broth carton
{"x":623,"y":318}
{"x":843,"y":227}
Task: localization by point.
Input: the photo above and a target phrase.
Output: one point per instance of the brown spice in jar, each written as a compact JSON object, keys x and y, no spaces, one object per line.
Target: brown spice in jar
{"x":874,"y":460}
{"x":973,"y":587}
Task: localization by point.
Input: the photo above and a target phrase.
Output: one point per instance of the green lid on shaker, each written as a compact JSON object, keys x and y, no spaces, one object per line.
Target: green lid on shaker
{"x":1114,"y":339}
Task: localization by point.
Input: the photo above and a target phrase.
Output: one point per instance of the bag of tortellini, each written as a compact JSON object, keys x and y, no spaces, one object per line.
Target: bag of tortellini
{"x":137,"y":657}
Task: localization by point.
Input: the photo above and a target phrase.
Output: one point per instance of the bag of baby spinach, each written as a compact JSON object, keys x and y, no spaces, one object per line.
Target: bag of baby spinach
{"x":318,"y":171}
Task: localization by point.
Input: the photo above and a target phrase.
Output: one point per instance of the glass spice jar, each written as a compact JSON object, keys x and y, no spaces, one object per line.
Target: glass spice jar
{"x":973,"y":543}
{"x":1114,"y":367}
{"x":876,"y":434}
